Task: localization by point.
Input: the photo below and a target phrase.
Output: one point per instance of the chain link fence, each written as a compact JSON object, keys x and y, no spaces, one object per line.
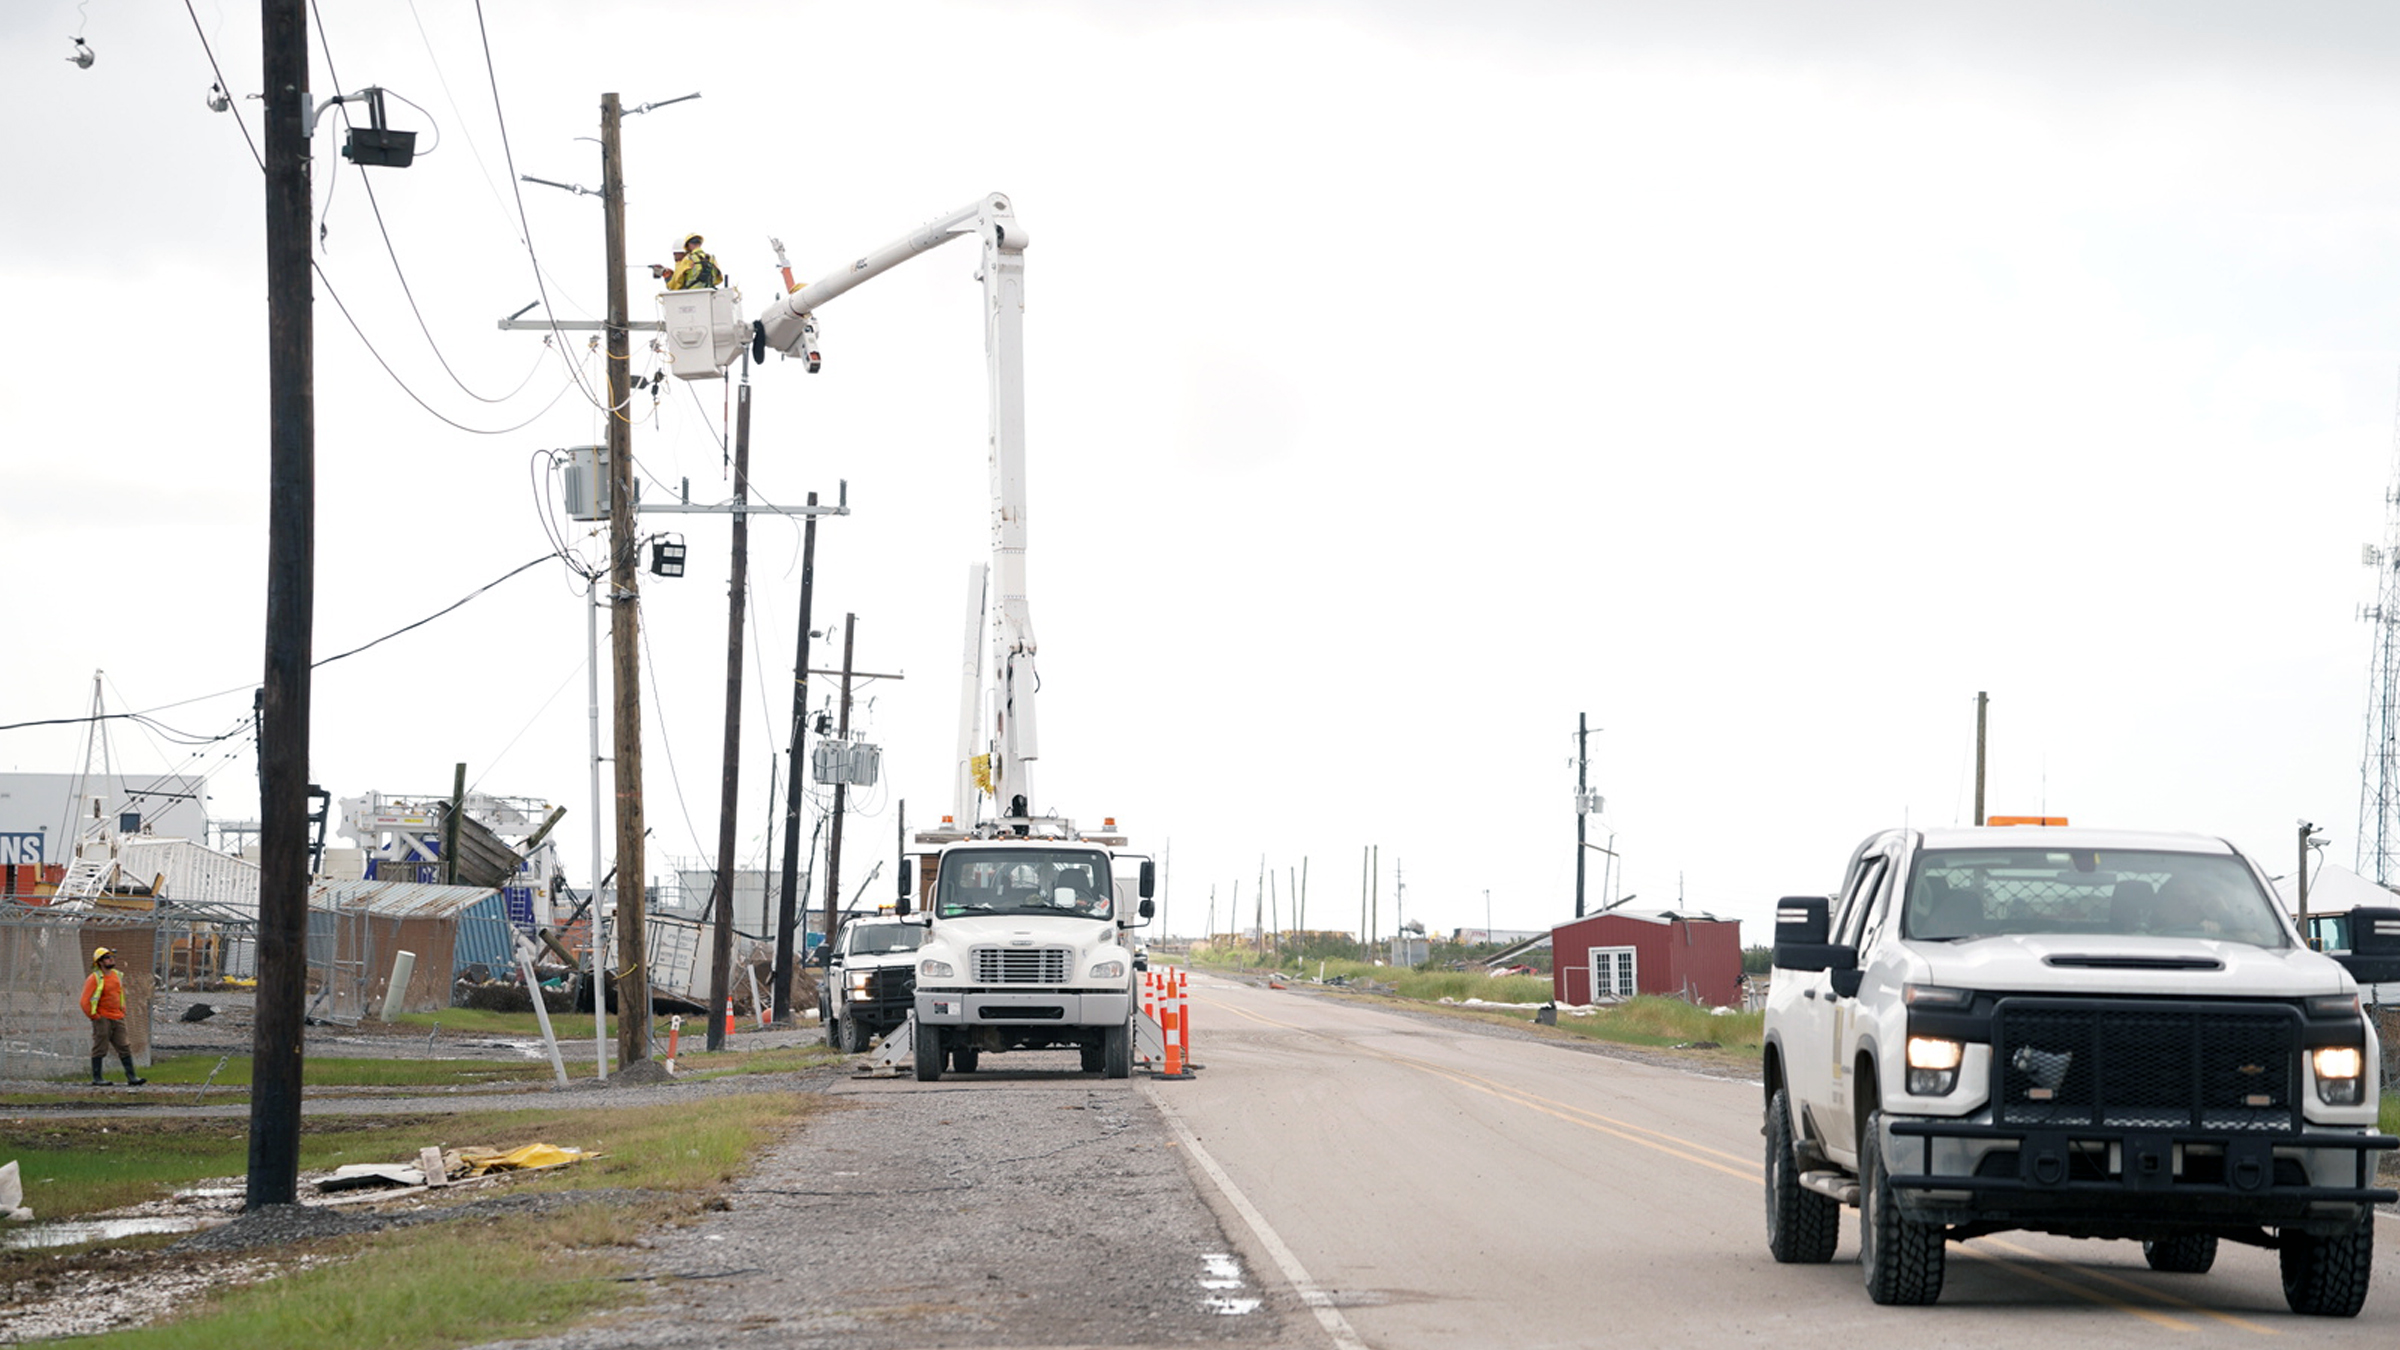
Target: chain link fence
{"x":45,"y":954}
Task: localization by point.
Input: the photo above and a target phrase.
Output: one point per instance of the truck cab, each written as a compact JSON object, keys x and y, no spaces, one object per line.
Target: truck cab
{"x":1027,"y":946}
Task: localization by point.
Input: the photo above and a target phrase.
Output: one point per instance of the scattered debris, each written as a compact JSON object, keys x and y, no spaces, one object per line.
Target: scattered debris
{"x":12,"y":1195}
{"x":198,"y":1012}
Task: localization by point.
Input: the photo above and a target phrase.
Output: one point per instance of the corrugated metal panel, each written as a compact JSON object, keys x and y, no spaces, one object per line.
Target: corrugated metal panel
{"x":399,"y":899}
{"x":485,"y":935}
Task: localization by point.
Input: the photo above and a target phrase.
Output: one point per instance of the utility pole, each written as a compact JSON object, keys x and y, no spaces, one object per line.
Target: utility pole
{"x":1375,"y":892}
{"x":276,"y":1046}
{"x":787,"y":911}
{"x":1583,"y":785}
{"x":841,"y":791}
{"x":1362,"y":898}
{"x":1983,"y":702}
{"x":624,"y":618}
{"x":720,"y":964}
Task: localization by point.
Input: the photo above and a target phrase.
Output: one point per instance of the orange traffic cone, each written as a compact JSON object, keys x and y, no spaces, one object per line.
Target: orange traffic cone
{"x":729,"y":1023}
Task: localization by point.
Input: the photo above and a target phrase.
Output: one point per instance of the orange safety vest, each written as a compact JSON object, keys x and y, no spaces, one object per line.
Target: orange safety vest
{"x":104,"y":996}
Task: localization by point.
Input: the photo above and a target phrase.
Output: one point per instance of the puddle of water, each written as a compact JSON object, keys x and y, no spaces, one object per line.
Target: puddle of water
{"x":1223,"y":1270}
{"x":102,"y":1230}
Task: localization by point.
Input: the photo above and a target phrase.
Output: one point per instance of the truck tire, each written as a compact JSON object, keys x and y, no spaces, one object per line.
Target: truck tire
{"x":2327,"y":1276}
{"x":963,"y":1059}
{"x":1094,"y":1058}
{"x":2183,"y":1254}
{"x":929,"y":1054}
{"x":833,"y":1032}
{"x":1116,"y":1048}
{"x":1902,"y":1258}
{"x":1802,"y":1226}
{"x":855,"y":1035}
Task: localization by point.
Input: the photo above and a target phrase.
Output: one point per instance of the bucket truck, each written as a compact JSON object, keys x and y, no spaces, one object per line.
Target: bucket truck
{"x":1027,"y":940}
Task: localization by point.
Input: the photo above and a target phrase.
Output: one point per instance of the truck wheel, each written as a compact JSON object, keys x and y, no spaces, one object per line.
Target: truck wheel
{"x":2327,"y":1277}
{"x":1802,"y":1226}
{"x":1116,"y":1048}
{"x":833,"y":1028}
{"x":929,"y":1054}
{"x":1094,"y":1060}
{"x":2183,"y":1254}
{"x":1902,"y":1258}
{"x":963,"y":1058}
{"x":855,"y":1035}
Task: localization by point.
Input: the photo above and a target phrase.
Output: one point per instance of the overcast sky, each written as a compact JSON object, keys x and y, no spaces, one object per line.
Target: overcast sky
{"x":1761,"y":379}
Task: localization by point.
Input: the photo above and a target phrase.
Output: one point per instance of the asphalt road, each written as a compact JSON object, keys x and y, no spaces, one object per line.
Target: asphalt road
{"x":1423,"y":1186}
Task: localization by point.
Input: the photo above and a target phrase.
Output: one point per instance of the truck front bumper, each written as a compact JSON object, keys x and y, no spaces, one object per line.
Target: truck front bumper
{"x":1024,"y":1007}
{"x":2099,"y":1182}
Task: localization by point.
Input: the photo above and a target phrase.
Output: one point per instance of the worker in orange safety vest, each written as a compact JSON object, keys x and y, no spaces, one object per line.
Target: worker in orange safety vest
{"x":104,"y":1003}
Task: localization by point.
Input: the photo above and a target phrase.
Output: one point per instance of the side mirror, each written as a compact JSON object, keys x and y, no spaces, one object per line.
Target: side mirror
{"x":1149,"y":883}
{"x":1147,"y":909}
{"x":900,"y":907}
{"x":908,"y":880}
{"x":1801,"y":929}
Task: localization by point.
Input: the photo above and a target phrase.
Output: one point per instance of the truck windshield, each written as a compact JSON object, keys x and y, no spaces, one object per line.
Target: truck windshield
{"x":880,"y":939}
{"x":1960,"y":894}
{"x":1024,"y":881}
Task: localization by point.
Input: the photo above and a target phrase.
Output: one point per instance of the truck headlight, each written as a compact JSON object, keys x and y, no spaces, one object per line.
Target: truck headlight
{"x":937,"y":970}
{"x":1933,"y":1065}
{"x":2341,"y":1074}
{"x":1109,"y":970}
{"x":858,"y":984}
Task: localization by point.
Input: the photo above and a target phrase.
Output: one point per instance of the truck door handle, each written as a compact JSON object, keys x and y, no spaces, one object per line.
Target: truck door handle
{"x":1808,"y":993}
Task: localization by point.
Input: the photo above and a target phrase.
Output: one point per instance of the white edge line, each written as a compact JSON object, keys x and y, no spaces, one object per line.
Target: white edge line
{"x":1328,"y":1316}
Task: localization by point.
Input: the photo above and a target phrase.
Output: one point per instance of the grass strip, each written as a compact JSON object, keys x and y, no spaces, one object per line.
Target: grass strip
{"x":453,"y":1284}
{"x":77,"y":1167}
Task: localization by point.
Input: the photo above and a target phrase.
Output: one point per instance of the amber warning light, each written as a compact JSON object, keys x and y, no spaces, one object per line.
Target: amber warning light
{"x":2025,"y":820}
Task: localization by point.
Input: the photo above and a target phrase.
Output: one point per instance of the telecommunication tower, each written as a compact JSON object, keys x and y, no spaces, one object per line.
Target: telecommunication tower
{"x":2379,"y":769}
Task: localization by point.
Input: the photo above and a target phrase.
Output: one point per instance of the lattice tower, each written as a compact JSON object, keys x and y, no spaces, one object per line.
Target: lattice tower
{"x":2379,"y":768}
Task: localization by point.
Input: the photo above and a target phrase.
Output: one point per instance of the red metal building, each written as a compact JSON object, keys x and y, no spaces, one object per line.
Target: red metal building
{"x":1680,"y":954}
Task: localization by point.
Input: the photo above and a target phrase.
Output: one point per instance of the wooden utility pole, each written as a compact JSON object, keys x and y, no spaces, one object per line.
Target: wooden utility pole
{"x":720,"y":964}
{"x":1583,"y":785}
{"x":841,"y":791}
{"x":624,"y":619}
{"x":275,"y":1038}
{"x":787,"y":911}
{"x":1983,"y":702}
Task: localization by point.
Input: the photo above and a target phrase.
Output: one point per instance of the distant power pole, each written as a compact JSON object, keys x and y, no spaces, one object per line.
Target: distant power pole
{"x":720,"y":964}
{"x":841,"y":791}
{"x":274,"y":1174}
{"x":1583,"y":785}
{"x":624,"y":618}
{"x":787,"y":912}
{"x":1983,"y":703}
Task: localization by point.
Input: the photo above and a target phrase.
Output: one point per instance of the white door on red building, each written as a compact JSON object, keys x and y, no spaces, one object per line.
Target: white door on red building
{"x":1612,"y":973}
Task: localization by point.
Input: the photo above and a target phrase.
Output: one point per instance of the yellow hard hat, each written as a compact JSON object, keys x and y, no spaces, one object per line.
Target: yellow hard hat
{"x":691,"y":241}
{"x":100,"y":952}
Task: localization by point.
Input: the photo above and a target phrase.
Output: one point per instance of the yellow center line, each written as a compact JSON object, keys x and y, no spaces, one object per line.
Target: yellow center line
{"x":2162,"y":1296}
{"x":2079,"y":1291}
{"x":1590,"y":1120}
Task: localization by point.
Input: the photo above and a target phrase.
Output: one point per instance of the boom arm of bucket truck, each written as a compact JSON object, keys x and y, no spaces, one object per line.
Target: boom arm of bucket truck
{"x":786,"y":327}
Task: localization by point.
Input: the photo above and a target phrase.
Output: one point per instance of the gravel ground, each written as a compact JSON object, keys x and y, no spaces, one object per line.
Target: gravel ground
{"x":1021,"y":1207}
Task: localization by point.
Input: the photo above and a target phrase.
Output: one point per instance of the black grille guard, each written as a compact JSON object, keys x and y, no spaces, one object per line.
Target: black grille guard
{"x":1929,"y":1130}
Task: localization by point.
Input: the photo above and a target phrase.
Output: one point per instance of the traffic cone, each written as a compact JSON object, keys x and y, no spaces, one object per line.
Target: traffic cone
{"x":729,"y":1022}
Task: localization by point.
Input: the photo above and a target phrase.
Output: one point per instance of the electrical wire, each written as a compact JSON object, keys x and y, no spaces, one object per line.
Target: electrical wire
{"x":666,"y":742}
{"x":492,"y":74}
{"x":255,"y":156}
{"x":529,"y":724}
{"x":524,"y":567}
{"x":375,"y":207}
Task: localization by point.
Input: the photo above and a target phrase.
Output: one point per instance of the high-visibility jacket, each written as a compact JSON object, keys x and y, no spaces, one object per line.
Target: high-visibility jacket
{"x":695,"y":272}
{"x":104,"y":996}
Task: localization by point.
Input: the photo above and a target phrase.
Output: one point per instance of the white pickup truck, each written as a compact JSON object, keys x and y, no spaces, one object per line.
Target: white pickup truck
{"x":2098,"y":1034}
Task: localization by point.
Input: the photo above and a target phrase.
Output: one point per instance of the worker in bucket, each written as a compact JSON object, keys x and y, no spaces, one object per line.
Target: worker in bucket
{"x":694,"y":269}
{"x":104,"y":1003}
